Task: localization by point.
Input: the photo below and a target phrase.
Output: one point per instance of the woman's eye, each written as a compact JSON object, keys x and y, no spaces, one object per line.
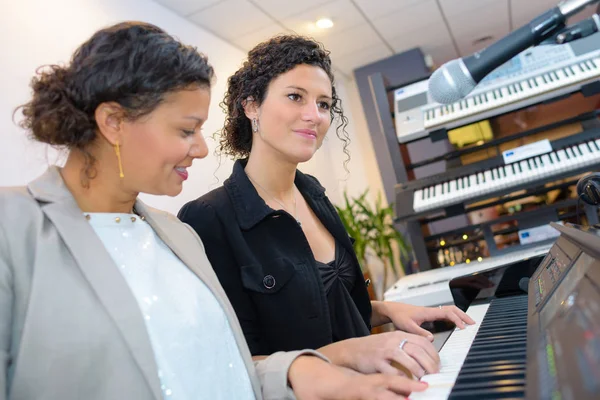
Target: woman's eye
{"x":294,"y":96}
{"x":187,"y":132}
{"x":324,"y":105}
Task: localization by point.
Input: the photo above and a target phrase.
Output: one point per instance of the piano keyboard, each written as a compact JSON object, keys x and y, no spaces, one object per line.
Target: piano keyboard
{"x":431,"y":288}
{"x":510,"y":175}
{"x":520,"y":93}
{"x":486,"y":360}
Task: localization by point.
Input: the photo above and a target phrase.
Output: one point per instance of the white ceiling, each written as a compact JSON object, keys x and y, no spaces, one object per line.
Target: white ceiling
{"x":365,"y":31}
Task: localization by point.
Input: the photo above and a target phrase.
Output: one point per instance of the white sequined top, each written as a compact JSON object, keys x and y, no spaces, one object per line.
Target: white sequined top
{"x":193,"y":343}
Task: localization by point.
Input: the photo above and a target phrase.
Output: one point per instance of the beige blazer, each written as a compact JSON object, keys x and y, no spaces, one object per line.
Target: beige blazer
{"x":70,"y":327}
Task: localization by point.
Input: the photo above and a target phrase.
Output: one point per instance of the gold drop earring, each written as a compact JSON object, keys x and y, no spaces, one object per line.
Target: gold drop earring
{"x":118,"y":151}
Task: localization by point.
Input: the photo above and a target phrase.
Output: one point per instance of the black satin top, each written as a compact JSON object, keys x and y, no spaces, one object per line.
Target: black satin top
{"x":339,"y":277}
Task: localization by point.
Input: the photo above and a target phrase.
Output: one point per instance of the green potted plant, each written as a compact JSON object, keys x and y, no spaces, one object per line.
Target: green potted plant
{"x":372,"y":228}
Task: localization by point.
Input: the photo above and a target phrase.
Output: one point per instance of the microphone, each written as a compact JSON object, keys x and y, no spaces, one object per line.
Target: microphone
{"x":524,"y":284}
{"x":457,"y":78}
{"x":579,"y":30}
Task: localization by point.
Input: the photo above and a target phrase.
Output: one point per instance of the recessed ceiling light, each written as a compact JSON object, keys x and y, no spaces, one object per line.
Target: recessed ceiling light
{"x":324,"y":23}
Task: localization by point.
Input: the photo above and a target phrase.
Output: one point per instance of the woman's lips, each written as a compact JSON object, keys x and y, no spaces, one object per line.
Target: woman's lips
{"x":308,"y":133}
{"x":182,"y":172}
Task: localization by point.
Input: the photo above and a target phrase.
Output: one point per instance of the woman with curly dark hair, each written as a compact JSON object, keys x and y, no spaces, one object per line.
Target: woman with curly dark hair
{"x":274,"y":239}
{"x":102,"y":297}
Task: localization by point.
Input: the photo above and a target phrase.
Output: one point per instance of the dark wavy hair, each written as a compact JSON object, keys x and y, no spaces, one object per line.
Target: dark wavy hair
{"x":134,"y":64}
{"x":266,"y":62}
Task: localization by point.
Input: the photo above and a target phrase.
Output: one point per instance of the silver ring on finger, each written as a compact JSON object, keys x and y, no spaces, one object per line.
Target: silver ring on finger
{"x":402,"y":343}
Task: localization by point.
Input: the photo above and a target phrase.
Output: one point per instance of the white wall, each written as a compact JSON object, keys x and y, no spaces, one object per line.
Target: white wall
{"x":40,"y":32}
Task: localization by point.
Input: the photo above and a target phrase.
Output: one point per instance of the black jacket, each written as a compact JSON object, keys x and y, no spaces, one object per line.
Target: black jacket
{"x":265,"y":264}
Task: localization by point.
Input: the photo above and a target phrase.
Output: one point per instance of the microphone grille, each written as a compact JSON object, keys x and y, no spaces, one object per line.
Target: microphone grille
{"x":451,"y":82}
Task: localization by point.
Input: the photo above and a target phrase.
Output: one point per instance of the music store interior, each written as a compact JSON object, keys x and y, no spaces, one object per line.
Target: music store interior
{"x":474,"y":169}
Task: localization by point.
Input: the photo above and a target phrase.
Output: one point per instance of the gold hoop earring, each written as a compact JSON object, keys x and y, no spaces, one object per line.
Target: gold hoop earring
{"x":254,"y":125}
{"x":118,"y":151}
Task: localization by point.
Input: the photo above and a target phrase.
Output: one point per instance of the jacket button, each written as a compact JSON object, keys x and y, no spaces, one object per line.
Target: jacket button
{"x":269,"y":281}
{"x":367,"y":282}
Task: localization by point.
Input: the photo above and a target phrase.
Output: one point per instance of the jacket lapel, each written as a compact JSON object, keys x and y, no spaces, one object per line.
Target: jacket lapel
{"x":99,"y":269}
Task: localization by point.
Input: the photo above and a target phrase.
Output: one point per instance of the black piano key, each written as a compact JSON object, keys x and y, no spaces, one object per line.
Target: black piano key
{"x":494,"y":382}
{"x":585,"y":66}
{"x":473,"y":369}
{"x":506,"y":392}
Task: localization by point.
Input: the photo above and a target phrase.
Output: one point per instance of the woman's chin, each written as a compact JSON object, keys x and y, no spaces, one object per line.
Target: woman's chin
{"x":170,"y":190}
{"x":304,"y":155}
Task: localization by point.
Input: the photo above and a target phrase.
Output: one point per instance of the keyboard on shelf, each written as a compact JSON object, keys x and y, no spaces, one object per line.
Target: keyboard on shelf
{"x":430,"y":288}
{"x":540,"y":86}
{"x":507,"y":176}
{"x":493,"y":177}
{"x":531,"y":66}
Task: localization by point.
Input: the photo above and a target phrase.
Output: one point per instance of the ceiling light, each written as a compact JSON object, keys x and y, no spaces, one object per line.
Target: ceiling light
{"x":324,"y":23}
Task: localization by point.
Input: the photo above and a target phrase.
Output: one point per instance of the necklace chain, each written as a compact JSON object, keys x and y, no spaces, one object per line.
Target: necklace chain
{"x":279,"y":202}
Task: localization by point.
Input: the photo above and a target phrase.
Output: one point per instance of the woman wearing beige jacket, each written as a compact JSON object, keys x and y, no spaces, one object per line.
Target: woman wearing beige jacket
{"x":102,"y":297}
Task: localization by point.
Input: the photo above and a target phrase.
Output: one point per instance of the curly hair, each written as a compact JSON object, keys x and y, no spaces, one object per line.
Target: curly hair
{"x":134,"y":64}
{"x":266,"y":62}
